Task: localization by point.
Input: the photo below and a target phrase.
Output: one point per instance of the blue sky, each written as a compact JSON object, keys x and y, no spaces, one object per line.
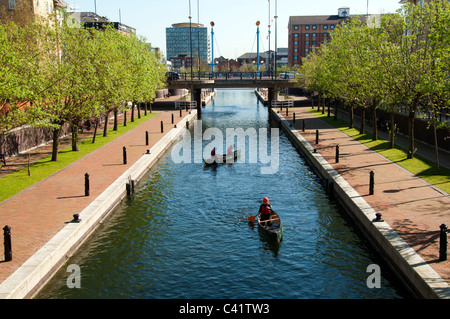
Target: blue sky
{"x":235,"y":20}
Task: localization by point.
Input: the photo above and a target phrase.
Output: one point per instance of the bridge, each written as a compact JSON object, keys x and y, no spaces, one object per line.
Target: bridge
{"x":229,"y":80}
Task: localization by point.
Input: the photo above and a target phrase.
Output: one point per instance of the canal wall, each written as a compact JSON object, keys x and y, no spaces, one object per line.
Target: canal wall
{"x":36,"y":271}
{"x":419,"y":277}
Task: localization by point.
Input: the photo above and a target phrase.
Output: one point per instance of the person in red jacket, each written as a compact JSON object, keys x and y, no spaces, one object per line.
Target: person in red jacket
{"x":265,"y":211}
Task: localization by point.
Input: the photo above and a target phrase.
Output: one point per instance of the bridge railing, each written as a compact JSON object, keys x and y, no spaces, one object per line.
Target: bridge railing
{"x":187,"y":105}
{"x":236,"y":75}
{"x":283,"y":103}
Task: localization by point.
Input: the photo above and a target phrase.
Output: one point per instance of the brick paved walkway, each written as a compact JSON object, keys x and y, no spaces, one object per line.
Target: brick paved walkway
{"x":37,"y":214}
{"x":412,"y":207}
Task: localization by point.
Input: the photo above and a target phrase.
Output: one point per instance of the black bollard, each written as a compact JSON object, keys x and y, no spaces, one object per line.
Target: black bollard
{"x":187,"y":125}
{"x":443,"y":243}
{"x":172,"y":118}
{"x":86,"y":185}
{"x":162,"y":127}
{"x":287,"y":111}
{"x":146,"y":137}
{"x":317,"y":136}
{"x":128,"y":188}
{"x":372,"y":183}
{"x":76,"y":218}
{"x":124,"y":155}
{"x":337,"y":153}
{"x":7,"y":243}
{"x":304,"y":124}
{"x":181,"y":112}
{"x":294,"y":117}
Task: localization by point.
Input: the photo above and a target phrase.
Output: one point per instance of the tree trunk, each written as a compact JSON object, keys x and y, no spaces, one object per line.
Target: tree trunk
{"x":125,"y":118}
{"x":105,"y":128}
{"x":75,"y":137}
{"x":312,"y":100}
{"x":139,"y":109}
{"x":132,"y":112}
{"x":116,"y":120}
{"x":56,"y":133}
{"x":392,"y":130}
{"x":97,"y":120}
{"x":363,"y":121}
{"x":352,"y":117}
{"x":145,"y":108}
{"x":374,"y":124}
{"x":436,"y":145}
{"x":411,"y":149}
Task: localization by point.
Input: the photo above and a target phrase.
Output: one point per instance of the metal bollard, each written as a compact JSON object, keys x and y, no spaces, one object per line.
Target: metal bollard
{"x":181,"y":112}
{"x":86,"y":185}
{"x":304,"y":124}
{"x":172,"y":118}
{"x":287,"y":111}
{"x":294,"y":117}
{"x":7,"y":243}
{"x":317,"y":136}
{"x":443,"y":242}
{"x":372,"y":183}
{"x":162,"y":127}
{"x":146,"y":137}
{"x":124,"y":155}
{"x":337,"y":153}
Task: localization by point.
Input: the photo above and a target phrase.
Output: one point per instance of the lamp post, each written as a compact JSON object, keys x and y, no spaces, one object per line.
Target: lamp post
{"x":257,"y":46}
{"x":276,"y":45}
{"x":270,"y":63}
{"x":190,"y":33}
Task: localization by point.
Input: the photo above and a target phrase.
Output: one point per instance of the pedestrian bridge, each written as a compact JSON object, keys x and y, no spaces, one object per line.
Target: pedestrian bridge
{"x":229,"y":80}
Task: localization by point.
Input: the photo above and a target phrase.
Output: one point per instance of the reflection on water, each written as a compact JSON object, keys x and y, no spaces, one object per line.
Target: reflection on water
{"x":185,"y":233}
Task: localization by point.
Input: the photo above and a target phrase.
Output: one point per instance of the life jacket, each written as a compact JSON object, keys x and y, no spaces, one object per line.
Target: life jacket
{"x":265,"y":209}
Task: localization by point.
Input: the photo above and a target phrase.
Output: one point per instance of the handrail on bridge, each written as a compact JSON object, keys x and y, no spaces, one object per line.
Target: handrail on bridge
{"x":283,"y":103}
{"x":237,"y":75}
{"x":185,"y":104}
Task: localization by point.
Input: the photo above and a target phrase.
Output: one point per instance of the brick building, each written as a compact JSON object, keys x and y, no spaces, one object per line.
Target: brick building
{"x":307,"y":33}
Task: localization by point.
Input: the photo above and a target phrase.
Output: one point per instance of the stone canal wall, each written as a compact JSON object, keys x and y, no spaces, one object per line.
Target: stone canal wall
{"x":416,"y":274}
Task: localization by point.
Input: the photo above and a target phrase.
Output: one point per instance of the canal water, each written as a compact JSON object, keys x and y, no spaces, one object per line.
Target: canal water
{"x":185,"y":234}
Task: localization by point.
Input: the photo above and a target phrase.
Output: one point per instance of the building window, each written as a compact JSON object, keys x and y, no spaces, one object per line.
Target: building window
{"x":295,"y":57}
{"x":314,"y":27}
{"x":12,"y":4}
{"x":325,"y":34}
{"x":307,"y":35}
{"x":314,"y":34}
{"x":313,"y":42}
{"x":325,"y":27}
{"x":296,"y":35}
{"x":306,"y":27}
{"x":295,"y":27}
{"x":331,"y":27}
{"x":306,"y":50}
{"x":306,"y":42}
{"x":295,"y":42}
{"x":295,"y":50}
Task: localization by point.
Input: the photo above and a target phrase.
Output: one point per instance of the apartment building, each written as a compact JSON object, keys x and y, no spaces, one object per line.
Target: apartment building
{"x":23,"y":11}
{"x":307,"y":33}
{"x":188,"y":38}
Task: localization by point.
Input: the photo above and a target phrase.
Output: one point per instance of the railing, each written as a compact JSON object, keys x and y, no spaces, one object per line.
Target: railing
{"x":236,"y":75}
{"x":283,"y":103}
{"x":187,"y":105}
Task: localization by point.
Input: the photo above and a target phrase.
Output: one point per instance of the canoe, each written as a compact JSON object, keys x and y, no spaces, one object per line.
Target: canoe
{"x":225,"y":158}
{"x":274,"y":230}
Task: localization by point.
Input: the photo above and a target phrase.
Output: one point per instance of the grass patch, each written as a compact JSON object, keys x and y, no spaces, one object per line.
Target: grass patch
{"x":16,"y":182}
{"x":418,"y":165}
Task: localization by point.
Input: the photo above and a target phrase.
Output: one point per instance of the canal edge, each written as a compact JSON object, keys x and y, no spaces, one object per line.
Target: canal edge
{"x":29,"y":278}
{"x":420,"y":278}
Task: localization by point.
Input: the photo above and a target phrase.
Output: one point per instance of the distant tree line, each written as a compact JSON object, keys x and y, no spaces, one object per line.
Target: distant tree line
{"x":54,"y":72}
{"x":401,"y":60}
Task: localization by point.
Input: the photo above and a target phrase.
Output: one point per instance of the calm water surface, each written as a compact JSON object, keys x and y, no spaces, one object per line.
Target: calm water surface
{"x":185,"y":233}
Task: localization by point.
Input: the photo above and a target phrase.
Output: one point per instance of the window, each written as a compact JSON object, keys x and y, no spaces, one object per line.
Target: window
{"x":306,"y":27}
{"x":314,"y":27}
{"x":307,"y":35}
{"x":325,"y":27}
{"x":296,"y":35}
{"x":313,"y":42}
{"x":295,"y":42}
{"x":295,"y":27}
{"x":295,"y":57}
{"x":306,"y":42}
{"x":295,"y":50}
{"x":325,"y":34}
{"x":12,"y":4}
{"x":306,"y":50}
{"x":331,"y":27}
{"x":314,"y":34}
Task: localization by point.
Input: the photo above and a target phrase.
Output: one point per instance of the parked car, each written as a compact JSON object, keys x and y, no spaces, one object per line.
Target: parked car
{"x":286,"y":75}
{"x":172,"y":76}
